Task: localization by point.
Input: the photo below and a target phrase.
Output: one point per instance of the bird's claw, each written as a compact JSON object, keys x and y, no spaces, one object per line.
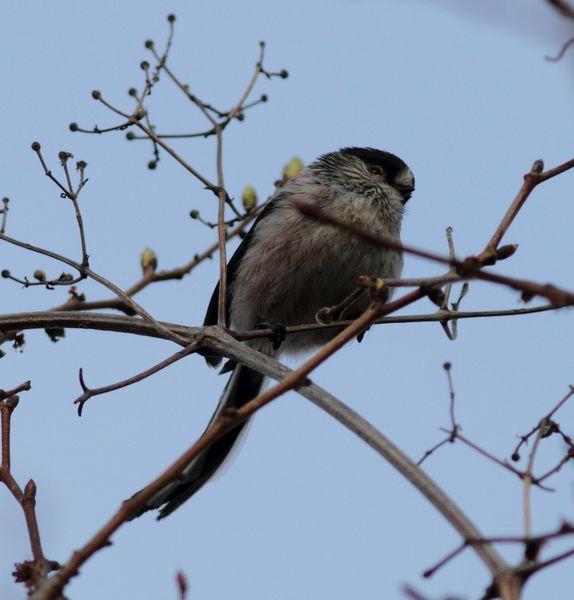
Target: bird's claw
{"x":278,"y":332}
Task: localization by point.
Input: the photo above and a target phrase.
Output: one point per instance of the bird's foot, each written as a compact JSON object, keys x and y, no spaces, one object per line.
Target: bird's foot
{"x":362,"y":335}
{"x":278,"y":332}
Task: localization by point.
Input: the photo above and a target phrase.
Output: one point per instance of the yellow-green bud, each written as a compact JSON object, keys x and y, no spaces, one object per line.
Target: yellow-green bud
{"x":148,"y":261}
{"x":292,"y":168}
{"x":249,"y":198}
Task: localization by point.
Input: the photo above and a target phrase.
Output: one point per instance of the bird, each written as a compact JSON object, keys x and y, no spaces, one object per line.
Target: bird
{"x":288,"y":266}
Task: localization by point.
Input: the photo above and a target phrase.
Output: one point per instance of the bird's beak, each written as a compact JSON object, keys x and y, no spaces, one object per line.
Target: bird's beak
{"x":406,"y":192}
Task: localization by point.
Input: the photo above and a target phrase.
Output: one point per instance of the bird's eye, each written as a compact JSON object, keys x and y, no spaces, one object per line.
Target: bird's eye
{"x":376,"y":170}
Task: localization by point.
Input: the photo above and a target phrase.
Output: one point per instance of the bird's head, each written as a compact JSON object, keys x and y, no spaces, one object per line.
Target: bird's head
{"x":368,"y":171}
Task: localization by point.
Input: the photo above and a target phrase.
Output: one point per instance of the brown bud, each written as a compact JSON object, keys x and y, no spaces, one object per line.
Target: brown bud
{"x":96,"y":94}
{"x":547,"y":427}
{"x":36,"y":146}
{"x":436,"y":296}
{"x":506,"y":251}
{"x":324,"y":316}
{"x":55,"y":333}
{"x":30,"y":489}
{"x":39,"y":275}
{"x":181,"y":583}
{"x":73,"y":127}
{"x":365,"y":281}
{"x":526,"y":296}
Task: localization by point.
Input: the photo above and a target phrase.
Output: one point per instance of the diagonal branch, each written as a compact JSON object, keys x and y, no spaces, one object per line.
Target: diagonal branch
{"x":468,"y":269}
{"x":563,"y":6}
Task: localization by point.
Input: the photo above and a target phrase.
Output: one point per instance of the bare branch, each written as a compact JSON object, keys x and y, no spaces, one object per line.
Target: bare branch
{"x":219,"y":340}
{"x":561,"y":52}
{"x":90,"y":393}
{"x":96,"y":277}
{"x":4,"y":213}
{"x":563,"y":6}
{"x":33,"y":572}
{"x":469,"y":268}
{"x":105,"y":322}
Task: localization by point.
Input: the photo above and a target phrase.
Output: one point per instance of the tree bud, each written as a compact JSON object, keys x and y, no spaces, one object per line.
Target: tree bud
{"x":292,"y":168}
{"x":148,"y":261}
{"x":249,"y":198}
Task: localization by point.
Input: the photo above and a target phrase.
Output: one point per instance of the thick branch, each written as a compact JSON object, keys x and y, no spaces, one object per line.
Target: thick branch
{"x":221,"y":341}
{"x":137,"y":326}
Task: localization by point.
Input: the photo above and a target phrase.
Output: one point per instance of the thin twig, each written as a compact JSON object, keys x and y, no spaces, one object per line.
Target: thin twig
{"x":454,"y":427}
{"x":564,"y":530}
{"x":534,"y":568}
{"x":469,"y":268}
{"x":156,"y":276}
{"x":33,"y":572}
{"x":528,"y":481}
{"x":448,"y":288}
{"x":222,"y":197}
{"x":546,"y":418}
{"x":4,"y":213}
{"x":558,"y":57}
{"x":96,"y":277}
{"x":566,"y":458}
{"x":91,"y":392}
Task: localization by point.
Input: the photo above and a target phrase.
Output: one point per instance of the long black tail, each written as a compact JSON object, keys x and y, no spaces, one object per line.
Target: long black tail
{"x":243,"y":385}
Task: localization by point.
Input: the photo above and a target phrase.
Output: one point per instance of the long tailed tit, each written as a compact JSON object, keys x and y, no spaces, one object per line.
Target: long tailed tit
{"x":288,"y":267}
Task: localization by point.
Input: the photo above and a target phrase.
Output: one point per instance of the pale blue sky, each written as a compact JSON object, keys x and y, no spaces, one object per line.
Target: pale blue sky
{"x":464,"y":95}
